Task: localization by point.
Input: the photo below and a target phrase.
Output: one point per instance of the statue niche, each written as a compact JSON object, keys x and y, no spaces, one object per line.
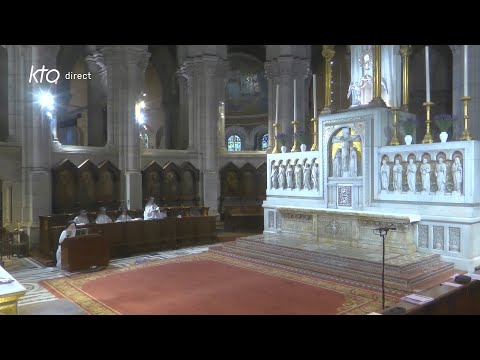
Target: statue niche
{"x":346,"y":150}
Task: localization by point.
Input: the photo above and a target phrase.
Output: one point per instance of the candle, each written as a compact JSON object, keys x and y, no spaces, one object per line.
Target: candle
{"x":314,"y":96}
{"x":465,"y":70}
{"x":294,"y":99}
{"x":427,"y":72}
{"x":276,"y":104}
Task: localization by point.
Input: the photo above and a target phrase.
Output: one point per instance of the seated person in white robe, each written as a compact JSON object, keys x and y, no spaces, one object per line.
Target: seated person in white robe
{"x":102,"y":217}
{"x":69,"y":231}
{"x":124,"y":216}
{"x":82,"y":218}
{"x":152,"y":211}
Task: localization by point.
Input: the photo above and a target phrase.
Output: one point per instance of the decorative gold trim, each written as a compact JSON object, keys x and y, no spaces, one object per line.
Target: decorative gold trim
{"x":315,"y":135}
{"x":405,"y":51}
{"x":428,"y":136}
{"x":276,"y":128}
{"x":466,"y":134}
{"x":394,"y":140}
{"x":328,"y":52}
{"x":295,"y":129}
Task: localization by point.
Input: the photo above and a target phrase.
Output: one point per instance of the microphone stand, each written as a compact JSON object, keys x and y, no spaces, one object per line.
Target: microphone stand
{"x":383,"y":233}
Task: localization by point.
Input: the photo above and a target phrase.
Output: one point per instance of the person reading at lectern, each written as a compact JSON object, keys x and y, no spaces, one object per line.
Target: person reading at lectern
{"x":82,"y":218}
{"x":152,"y":211}
{"x":102,"y":217}
{"x":124,"y":216}
{"x":69,"y":231}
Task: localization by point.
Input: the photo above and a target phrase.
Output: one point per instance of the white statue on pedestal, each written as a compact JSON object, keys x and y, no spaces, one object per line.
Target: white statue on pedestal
{"x":385,"y":174}
{"x":274,"y":177}
{"x":290,"y":176}
{"x":360,"y":90}
{"x":307,"y":176}
{"x":441,"y":174}
{"x":397,"y":175}
{"x":457,"y":175}
{"x":315,"y":176}
{"x":281,"y":177}
{"x":425,"y":169}
{"x":411,"y":175}
{"x":298,"y":176}
{"x":353,"y":161}
{"x":337,"y":164}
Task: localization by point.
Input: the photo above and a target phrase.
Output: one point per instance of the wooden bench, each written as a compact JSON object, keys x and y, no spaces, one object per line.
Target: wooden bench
{"x":243,"y":218}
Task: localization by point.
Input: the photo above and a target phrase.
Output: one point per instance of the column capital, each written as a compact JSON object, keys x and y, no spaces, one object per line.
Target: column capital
{"x":405,"y":50}
{"x":96,"y":61}
{"x":328,"y":52}
{"x":290,"y":66}
{"x":271,"y":70}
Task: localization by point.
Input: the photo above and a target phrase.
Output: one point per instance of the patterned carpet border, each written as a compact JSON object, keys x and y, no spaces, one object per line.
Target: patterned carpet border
{"x":358,"y":301}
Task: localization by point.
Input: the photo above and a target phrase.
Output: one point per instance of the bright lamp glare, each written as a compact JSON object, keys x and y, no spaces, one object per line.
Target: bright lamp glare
{"x":141,"y":118}
{"x":46,"y":101}
{"x":49,"y":114}
{"x":142,"y":104}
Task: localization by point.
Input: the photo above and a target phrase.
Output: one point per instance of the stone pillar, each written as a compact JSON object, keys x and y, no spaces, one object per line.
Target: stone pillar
{"x":272,"y":74}
{"x":473,"y":90}
{"x":205,"y":73}
{"x":126,"y":66}
{"x":284,"y":64}
{"x":182,"y":132}
{"x":16,"y":90}
{"x":36,"y":141}
{"x":96,"y":99}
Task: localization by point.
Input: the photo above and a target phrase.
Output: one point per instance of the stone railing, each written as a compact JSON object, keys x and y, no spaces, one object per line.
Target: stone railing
{"x":297,"y":174}
{"x":438,"y":172}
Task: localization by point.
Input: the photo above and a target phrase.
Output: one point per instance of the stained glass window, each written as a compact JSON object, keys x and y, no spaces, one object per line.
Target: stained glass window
{"x":234,"y":143}
{"x":265,"y":142}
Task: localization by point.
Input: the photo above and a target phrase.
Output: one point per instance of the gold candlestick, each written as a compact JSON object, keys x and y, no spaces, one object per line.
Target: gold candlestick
{"x":276,"y":128}
{"x":466,"y":134}
{"x":428,"y":136}
{"x":394,"y":140}
{"x":295,"y":145}
{"x":405,"y":51}
{"x":315,"y":133}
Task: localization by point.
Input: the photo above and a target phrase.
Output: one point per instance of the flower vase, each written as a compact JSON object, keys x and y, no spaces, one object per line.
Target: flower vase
{"x":443,"y":136}
{"x":408,"y":139}
{"x":303,"y":147}
{"x":283,"y":148}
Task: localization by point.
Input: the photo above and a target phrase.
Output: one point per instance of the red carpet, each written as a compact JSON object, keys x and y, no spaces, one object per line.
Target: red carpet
{"x":210,"y":284}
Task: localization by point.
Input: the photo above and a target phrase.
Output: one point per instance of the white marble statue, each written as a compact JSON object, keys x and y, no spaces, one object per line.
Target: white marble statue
{"x":337,"y":163}
{"x":307,"y":177}
{"x":345,"y":139}
{"x":397,"y":175}
{"x":298,"y":176}
{"x":411,"y":175}
{"x":281,"y":177}
{"x":315,"y":176}
{"x":289,"y":176}
{"x":385,"y":174}
{"x":457,"y":175}
{"x":353,"y":161}
{"x":274,"y":177}
{"x":425,"y":170}
{"x":360,"y":90}
{"x":441,"y":174}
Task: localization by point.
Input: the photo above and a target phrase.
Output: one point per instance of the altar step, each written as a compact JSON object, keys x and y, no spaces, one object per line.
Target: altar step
{"x":403,"y":272}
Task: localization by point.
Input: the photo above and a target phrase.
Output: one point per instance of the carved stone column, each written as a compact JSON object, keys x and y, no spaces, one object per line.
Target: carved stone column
{"x":328,"y":52}
{"x":96,"y":99}
{"x":272,"y":74}
{"x":405,"y":51}
{"x":36,"y":138}
{"x":182,"y":132}
{"x":377,"y":77}
{"x":126,"y":66}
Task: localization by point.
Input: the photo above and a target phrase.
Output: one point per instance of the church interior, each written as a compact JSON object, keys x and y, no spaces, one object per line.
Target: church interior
{"x":239,"y":179}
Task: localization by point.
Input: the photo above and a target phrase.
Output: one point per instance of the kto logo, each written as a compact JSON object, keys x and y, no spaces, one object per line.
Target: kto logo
{"x":51,"y":75}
